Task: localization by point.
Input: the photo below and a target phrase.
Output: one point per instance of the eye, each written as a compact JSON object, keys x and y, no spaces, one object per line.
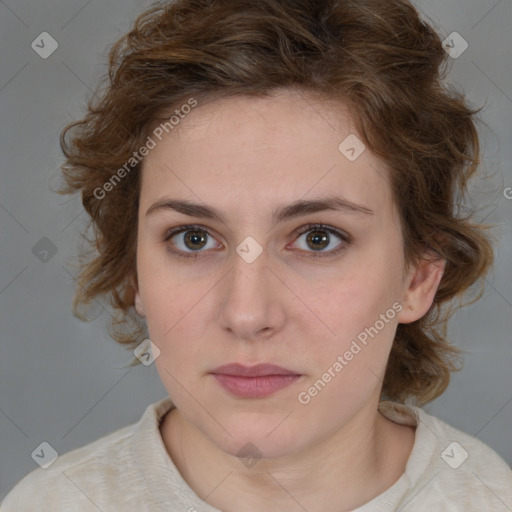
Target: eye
{"x":189,"y":246}
{"x":191,"y":239}
{"x":320,"y":236}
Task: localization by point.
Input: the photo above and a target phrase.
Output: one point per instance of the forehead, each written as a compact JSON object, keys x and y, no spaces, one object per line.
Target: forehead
{"x":263,"y":151}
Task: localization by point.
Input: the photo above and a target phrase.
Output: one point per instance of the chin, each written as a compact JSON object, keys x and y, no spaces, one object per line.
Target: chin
{"x":249,"y":449}
{"x":256,"y":437}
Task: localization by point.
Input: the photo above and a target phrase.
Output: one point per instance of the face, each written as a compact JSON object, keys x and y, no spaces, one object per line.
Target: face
{"x":265,"y":283}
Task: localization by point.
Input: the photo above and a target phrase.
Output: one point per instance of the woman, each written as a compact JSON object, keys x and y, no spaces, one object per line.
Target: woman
{"x":273,"y":188}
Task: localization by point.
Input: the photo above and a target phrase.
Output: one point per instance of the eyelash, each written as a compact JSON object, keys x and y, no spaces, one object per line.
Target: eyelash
{"x":345,"y":239}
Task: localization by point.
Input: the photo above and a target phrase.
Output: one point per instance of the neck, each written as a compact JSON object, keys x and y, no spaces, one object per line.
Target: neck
{"x":349,"y":468}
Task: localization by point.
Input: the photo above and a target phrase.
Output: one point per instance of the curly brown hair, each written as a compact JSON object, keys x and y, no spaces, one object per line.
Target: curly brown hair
{"x":378,"y":56}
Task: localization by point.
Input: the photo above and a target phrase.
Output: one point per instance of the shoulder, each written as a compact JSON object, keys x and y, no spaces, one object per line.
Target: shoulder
{"x":60,"y":484}
{"x":106,"y":474}
{"x":465,"y":470}
{"x":448,"y":469}
{"x":463,"y":446}
{"x":101,"y":475}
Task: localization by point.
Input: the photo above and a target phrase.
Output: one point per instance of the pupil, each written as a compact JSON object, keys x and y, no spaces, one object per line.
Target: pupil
{"x":195,"y":237}
{"x":316,"y":238}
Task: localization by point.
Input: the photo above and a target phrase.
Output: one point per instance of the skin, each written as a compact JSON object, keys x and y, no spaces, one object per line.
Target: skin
{"x":245,"y":156}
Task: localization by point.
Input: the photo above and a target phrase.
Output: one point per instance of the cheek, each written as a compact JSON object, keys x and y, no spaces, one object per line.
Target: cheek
{"x":355,"y":300}
{"x":173,"y":327}
{"x":347,"y":372}
{"x":163,"y":295}
{"x":175,"y":307}
{"x":361,"y":311}
{"x":171,"y":314}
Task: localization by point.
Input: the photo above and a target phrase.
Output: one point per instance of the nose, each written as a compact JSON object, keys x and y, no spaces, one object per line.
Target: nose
{"x":252,"y":302}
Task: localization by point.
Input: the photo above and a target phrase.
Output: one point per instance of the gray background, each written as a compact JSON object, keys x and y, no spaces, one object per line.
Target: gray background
{"x":66,"y":382}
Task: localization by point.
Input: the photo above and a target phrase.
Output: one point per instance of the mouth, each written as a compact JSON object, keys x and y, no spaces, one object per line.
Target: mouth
{"x":257,"y":381}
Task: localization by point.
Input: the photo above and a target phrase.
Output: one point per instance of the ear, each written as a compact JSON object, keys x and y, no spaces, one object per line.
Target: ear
{"x":138,"y":301}
{"x":421,"y":286}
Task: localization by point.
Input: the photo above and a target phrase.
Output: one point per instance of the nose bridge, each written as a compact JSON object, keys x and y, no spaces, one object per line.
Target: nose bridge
{"x":249,"y":276}
{"x":250,"y":301}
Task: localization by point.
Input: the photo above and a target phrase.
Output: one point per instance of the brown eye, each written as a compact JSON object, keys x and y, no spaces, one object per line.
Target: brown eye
{"x":189,"y":241}
{"x":320,"y":237}
{"x":194,"y":239}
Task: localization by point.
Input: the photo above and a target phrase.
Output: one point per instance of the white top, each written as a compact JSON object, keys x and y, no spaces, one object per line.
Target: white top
{"x":130,"y":470}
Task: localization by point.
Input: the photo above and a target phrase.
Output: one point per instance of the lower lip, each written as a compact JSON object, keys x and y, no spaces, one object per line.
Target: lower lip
{"x":255,"y":387}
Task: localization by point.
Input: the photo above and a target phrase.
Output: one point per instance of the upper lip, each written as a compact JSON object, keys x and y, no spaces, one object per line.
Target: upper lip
{"x":258,"y":370}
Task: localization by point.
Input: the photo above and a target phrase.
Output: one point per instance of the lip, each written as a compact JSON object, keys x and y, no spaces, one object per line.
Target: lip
{"x":257,"y":381}
{"x":258,"y":370}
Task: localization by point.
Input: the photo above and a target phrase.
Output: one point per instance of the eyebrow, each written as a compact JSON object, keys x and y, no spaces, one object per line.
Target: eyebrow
{"x":282,"y":213}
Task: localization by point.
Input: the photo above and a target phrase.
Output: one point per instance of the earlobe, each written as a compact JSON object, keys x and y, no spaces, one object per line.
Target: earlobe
{"x":137,"y":299}
{"x":422,"y":287}
{"x":138,"y":305}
